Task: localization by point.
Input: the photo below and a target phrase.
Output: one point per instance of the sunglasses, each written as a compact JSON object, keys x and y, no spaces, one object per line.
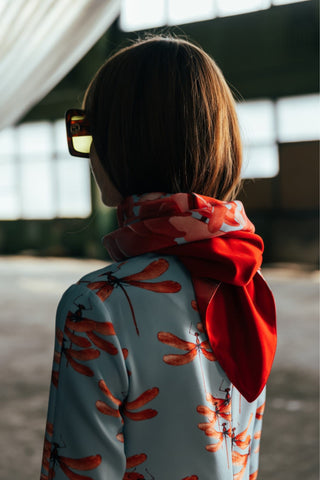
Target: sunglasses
{"x":78,"y":133}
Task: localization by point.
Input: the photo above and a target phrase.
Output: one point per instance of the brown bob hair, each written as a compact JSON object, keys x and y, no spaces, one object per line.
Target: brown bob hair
{"x":163,"y":119}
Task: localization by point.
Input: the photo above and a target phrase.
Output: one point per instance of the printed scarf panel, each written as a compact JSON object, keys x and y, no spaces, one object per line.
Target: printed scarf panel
{"x":155,"y":221}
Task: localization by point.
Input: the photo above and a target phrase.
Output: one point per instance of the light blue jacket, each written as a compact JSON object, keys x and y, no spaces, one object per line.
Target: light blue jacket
{"x":136,"y":391}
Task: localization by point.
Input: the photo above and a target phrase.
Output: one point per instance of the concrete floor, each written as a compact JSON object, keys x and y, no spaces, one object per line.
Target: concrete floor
{"x":30,"y":289}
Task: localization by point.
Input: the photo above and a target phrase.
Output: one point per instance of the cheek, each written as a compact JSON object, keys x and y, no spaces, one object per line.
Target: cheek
{"x":92,"y":170}
{"x":96,"y":170}
{"x":109,"y":194}
{"x":91,"y":164}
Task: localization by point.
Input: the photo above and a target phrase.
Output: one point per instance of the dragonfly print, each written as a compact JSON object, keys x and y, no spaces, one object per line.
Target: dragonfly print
{"x":78,"y":341}
{"x":155,"y":269}
{"x":133,"y":462}
{"x":242,"y":440}
{"x":47,"y":451}
{"x":76,"y":324}
{"x":120,"y":409}
{"x":74,"y":356}
{"x":260,"y":411}
{"x":220,"y":435}
{"x":212,"y":220}
{"x":239,"y":459}
{"x":125,"y":353}
{"x":194,"y":305}
{"x":213,"y":428}
{"x":257,"y":436}
{"x":52,"y":458}
{"x":136,"y":460}
{"x":221,"y":409}
{"x":193,"y":349}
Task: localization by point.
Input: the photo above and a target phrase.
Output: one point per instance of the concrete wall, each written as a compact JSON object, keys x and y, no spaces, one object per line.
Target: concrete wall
{"x":285,"y":209}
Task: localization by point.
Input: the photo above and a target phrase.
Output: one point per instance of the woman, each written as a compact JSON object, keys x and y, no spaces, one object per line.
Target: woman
{"x":161,"y":358}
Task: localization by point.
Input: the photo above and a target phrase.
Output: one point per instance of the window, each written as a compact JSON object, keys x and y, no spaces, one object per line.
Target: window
{"x":264,"y":124}
{"x":285,"y":2}
{"x":258,"y":132}
{"x":185,"y":11}
{"x":38,"y":177}
{"x":234,"y":7}
{"x":298,"y":118}
{"x":144,"y":14}
{"x":138,"y":14}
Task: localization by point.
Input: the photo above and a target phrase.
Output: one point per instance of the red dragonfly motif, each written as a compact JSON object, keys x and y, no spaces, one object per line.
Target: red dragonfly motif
{"x":257,"y":436}
{"x":55,"y":373}
{"x":133,"y":462}
{"x":57,"y":359}
{"x":194,"y":305}
{"x":103,"y":407}
{"x":125,"y":353}
{"x":120,"y":437}
{"x":126,"y":408}
{"x":47,"y":451}
{"x":91,"y":328}
{"x":242,"y":440}
{"x":51,"y":458}
{"x":222,"y":409}
{"x":192,"y":349}
{"x":76,"y":326}
{"x":254,"y":475}
{"x":155,"y":269}
{"x":239,"y":459}
{"x":201,"y":327}
{"x":76,"y":322}
{"x":73,"y":356}
{"x":220,"y":436}
{"x":260,"y":411}
{"x":191,"y":477}
{"x":214,"y":218}
{"x":229,"y":215}
{"x":66,"y":464}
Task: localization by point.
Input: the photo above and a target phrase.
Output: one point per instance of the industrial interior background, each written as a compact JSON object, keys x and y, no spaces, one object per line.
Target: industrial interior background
{"x":268,"y":54}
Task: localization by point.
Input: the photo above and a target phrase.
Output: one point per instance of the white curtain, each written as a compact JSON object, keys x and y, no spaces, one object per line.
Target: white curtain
{"x":40,"y":42}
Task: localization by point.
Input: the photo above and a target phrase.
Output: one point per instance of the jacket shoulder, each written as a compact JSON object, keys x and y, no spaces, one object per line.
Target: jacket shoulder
{"x":142,"y":267}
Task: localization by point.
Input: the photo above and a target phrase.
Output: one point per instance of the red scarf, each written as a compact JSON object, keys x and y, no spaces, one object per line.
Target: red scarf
{"x":217,"y":244}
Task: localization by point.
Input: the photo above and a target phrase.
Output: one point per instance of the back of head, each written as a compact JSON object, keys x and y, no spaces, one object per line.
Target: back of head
{"x":163,"y":119}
